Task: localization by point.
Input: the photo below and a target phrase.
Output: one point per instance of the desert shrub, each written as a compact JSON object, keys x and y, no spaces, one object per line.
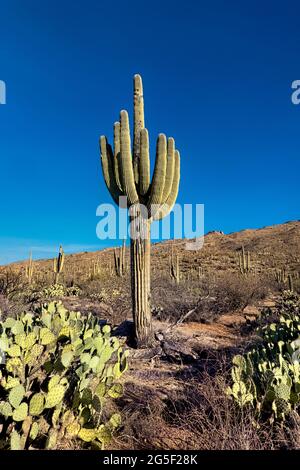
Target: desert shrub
{"x":235,"y":292}
{"x":55,"y":291}
{"x":196,"y":415}
{"x":169,"y":301}
{"x":268,"y":376}
{"x":73,"y":291}
{"x":60,"y":367}
{"x":208,"y":299}
{"x":11,"y":283}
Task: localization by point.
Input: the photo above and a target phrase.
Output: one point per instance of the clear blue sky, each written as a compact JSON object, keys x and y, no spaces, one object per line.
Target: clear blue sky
{"x":217,"y":76}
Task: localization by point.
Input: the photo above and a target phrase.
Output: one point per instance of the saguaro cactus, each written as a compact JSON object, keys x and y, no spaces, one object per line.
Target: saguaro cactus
{"x":244,"y":261}
{"x":127,"y":173}
{"x":174,"y":267}
{"x":119,"y":258}
{"x":291,"y":282}
{"x":29,"y":269}
{"x":281,"y":276}
{"x":58,"y":264}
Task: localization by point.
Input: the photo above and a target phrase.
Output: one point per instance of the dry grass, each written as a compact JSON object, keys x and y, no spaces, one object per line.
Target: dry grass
{"x":198,"y":416}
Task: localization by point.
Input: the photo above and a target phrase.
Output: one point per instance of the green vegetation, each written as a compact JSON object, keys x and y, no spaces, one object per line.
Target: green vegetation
{"x":119,"y":259}
{"x":268,"y":376}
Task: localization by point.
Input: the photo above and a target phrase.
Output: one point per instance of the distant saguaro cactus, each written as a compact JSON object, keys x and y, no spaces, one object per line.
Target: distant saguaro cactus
{"x":244,"y":261}
{"x":127,"y":173}
{"x":174,"y":267}
{"x":291,"y":282}
{"x":29,"y":270}
{"x":281,"y":276}
{"x":58,"y":264}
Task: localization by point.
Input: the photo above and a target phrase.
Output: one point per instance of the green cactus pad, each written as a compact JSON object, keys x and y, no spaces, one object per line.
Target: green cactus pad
{"x":106,"y":354}
{"x":34,"y":431}
{"x":282,"y":391}
{"x":116,"y":391}
{"x":73,"y":429}
{"x":66,"y":358}
{"x":100,"y":389}
{"x":18,"y":327}
{"x":87,"y":435}
{"x":46,"y":336}
{"x":11,"y":383}
{"x":115,"y":420}
{"x":14,"y":351}
{"x":6,"y":409}
{"x":85,"y":416}
{"x":9,"y":323}
{"x":55,"y":396}
{"x":55,"y":416}
{"x":14,"y":365}
{"x":20,"y":339}
{"x":106,"y":329}
{"x":15,"y":441}
{"x":21,"y":412}
{"x":52,"y":439}
{"x":30,"y":340}
{"x":53,"y":382}
{"x":104,"y":434}
{"x":36,"y":404}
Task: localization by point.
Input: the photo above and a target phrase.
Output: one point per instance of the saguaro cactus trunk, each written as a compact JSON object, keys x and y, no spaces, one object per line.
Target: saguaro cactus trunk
{"x":140,"y":277}
{"x":127,"y":173}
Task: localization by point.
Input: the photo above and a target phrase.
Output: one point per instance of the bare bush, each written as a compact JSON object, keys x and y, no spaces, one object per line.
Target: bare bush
{"x":208,"y":298}
{"x":11,"y":282}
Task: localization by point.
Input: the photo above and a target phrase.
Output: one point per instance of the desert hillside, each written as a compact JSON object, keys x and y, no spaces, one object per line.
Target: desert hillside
{"x":273,"y":247}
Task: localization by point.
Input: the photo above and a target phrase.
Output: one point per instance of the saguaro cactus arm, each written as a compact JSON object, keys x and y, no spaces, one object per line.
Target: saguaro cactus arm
{"x":144,"y":167}
{"x":170,"y":169}
{"x":117,"y":155}
{"x":159,"y":175}
{"x":168,"y":204}
{"x":108,"y":169}
{"x":138,"y":122}
{"x":127,"y":176}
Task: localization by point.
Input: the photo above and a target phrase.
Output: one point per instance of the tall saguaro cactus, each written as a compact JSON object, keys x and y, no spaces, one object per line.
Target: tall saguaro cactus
{"x":126,"y":172}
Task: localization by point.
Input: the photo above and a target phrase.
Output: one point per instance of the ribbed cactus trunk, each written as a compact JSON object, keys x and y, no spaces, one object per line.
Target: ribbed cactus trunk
{"x":140,"y":280}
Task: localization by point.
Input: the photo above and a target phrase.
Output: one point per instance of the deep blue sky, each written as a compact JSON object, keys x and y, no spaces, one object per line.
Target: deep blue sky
{"x":217,"y":76}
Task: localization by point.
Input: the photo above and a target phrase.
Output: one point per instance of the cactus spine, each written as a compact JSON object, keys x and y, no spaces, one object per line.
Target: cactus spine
{"x":174,"y":267}
{"x":119,"y":258}
{"x":129,"y":175}
{"x":58,"y":264}
{"x":29,"y":269}
{"x":244,"y":261}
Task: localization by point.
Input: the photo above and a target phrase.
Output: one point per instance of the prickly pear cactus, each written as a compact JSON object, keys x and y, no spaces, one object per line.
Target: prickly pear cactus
{"x":268,"y":376}
{"x":60,"y":367}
